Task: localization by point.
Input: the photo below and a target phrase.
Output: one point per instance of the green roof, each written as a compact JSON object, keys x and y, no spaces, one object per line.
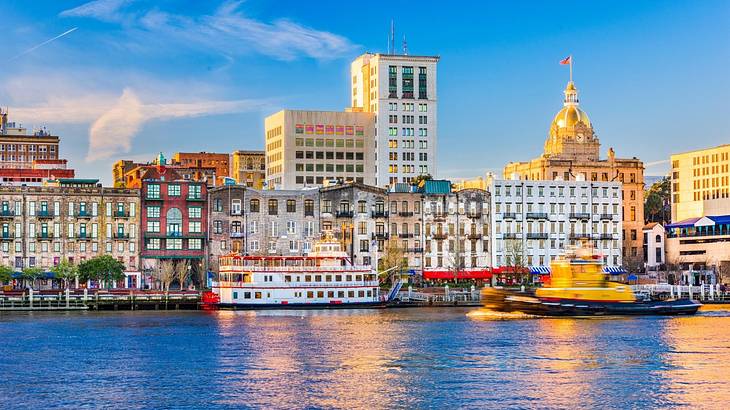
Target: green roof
{"x":436,"y":187}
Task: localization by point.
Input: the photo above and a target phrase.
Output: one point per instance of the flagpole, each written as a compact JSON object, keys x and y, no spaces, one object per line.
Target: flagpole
{"x":571,"y":68}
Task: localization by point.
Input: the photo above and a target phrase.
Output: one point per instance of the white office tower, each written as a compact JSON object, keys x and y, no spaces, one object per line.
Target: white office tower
{"x":401,"y":91}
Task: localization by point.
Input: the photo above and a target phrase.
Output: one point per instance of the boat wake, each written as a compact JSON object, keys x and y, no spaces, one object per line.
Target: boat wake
{"x":488,"y":314}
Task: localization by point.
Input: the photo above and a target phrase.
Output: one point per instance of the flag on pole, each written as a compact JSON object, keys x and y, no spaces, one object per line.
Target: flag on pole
{"x":566,"y":61}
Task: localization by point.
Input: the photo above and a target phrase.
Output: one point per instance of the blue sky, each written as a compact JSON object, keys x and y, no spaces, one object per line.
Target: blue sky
{"x":137,"y":77}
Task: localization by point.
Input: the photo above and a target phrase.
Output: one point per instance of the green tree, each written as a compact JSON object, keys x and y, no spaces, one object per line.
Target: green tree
{"x":32,"y":274}
{"x":423,"y":177}
{"x":66,"y":271}
{"x":393,"y":261}
{"x":657,"y":204}
{"x":104,"y":268}
{"x":6,"y":273}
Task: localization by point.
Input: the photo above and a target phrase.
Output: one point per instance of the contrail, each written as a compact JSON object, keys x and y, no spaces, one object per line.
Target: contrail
{"x":43,"y":44}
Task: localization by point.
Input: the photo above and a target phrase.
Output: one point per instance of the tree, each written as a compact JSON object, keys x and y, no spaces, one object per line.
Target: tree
{"x":183,"y":268}
{"x":104,"y":268}
{"x":32,"y":274}
{"x":6,"y":273}
{"x":392,"y":260}
{"x":515,"y":258}
{"x":657,"y":202}
{"x":65,"y":271}
{"x":423,"y":177}
{"x":166,"y":273}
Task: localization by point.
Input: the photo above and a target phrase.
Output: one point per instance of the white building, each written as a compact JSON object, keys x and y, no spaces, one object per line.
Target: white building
{"x":401,"y":91}
{"x":533,"y":221}
{"x":654,"y":240}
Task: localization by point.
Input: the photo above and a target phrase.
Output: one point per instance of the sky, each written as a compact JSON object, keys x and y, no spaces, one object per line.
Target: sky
{"x":126,"y":79}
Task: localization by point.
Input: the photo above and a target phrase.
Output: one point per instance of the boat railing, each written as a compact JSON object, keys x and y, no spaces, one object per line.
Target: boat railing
{"x":702,"y":292}
{"x":332,"y":284}
{"x":298,"y":269}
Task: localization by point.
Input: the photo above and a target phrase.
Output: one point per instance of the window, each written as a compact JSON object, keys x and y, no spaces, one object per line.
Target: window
{"x":173,"y":244}
{"x":194,"y":227}
{"x":291,"y":227}
{"x":153,"y":226}
{"x":218,"y":227}
{"x":174,"y":222}
{"x":291,"y":205}
{"x":217,"y":205}
{"x":195,"y":212}
{"x":153,"y":191}
{"x":273,"y":207}
{"x":194,"y":191}
{"x":152,"y":243}
{"x":308,"y":207}
{"x":253,"y":205}
{"x":173,"y":190}
{"x":196,"y":244}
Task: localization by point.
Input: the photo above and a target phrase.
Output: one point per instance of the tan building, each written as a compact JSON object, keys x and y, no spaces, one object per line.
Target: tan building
{"x":249,"y":168}
{"x":307,"y":148}
{"x":701,"y":183}
{"x":572,"y":152}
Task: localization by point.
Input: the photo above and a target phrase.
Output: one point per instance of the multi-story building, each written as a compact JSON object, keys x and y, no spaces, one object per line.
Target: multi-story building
{"x":204,"y":160}
{"x":29,"y":158}
{"x":699,"y":235}
{"x":261,"y":222}
{"x":456,"y":232}
{"x":129,"y":174}
{"x":249,"y":168}
{"x":572,"y":152}
{"x":174,"y":220}
{"x":307,"y":148}
{"x":72,"y":219}
{"x":400,"y":90}
{"x":355,"y":213}
{"x":654,"y":241}
{"x":533,"y":221}
{"x":404,"y":218}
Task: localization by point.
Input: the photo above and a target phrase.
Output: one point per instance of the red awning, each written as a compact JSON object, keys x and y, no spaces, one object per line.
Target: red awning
{"x":462,"y":274}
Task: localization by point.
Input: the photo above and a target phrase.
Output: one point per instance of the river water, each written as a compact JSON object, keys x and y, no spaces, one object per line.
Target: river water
{"x":395,"y":358}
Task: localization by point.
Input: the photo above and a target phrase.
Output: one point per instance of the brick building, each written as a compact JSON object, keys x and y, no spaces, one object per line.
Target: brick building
{"x":129,"y":174}
{"x":174,"y":219}
{"x":204,"y":160}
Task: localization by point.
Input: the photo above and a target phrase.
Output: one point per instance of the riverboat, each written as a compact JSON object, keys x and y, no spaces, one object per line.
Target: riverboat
{"x":579,"y":287}
{"x":325,"y":278}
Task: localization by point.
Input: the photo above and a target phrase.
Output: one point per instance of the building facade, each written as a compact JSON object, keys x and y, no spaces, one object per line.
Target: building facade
{"x":204,"y":160}
{"x":174,"y":220}
{"x":701,"y":183}
{"x":307,"y":148}
{"x":74,"y":220}
{"x":534,"y":221}
{"x":261,"y":222}
{"x":404,"y":224}
{"x":355,"y":213}
{"x":400,"y":91}
{"x":571,"y":152}
{"x":654,"y":241}
{"x":249,"y":168}
{"x":129,"y":174}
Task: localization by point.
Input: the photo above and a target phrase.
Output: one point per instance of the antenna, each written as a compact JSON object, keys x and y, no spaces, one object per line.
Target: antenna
{"x":405,"y":45}
{"x":391,"y":43}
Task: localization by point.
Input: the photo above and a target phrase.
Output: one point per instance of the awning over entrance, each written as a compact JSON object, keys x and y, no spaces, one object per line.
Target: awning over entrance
{"x":483,"y":273}
{"x":614,"y":270}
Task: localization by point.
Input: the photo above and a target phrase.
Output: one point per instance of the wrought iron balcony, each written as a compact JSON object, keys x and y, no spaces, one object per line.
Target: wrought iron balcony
{"x":509,"y":215}
{"x":7,"y":213}
{"x":580,"y":236}
{"x":344,"y":214}
{"x":121,"y":214}
{"x":440,"y":235}
{"x":474,"y":236}
{"x":405,"y":214}
{"x":537,"y":235}
{"x":509,"y":236}
{"x":379,"y":214}
{"x":84,"y":214}
{"x":238,"y":234}
{"x":380,"y":235}
{"x":44,"y":235}
{"x":607,"y":216}
{"x":44,"y":214}
{"x":121,"y":235}
{"x":580,"y":215}
{"x":537,"y":215}
{"x":474,"y":215}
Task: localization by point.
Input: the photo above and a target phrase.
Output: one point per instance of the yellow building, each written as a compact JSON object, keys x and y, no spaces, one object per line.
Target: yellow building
{"x":701,"y":183}
{"x":474,"y":183}
{"x":572,"y":152}
{"x":249,"y":168}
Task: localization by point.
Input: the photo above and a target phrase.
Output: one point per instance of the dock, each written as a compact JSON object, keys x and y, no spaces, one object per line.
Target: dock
{"x":98,"y":299}
{"x":707,"y":294}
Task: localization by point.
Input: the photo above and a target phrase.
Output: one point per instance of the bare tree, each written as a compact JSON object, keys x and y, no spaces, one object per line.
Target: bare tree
{"x":183,"y":272}
{"x":166,"y":273}
{"x":393,"y":257}
{"x":515,"y":258}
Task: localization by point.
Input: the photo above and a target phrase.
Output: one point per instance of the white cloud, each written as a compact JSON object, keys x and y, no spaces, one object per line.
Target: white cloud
{"x":656,"y":163}
{"x":104,"y":10}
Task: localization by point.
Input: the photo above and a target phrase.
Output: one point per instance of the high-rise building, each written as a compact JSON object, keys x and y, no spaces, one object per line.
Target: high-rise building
{"x":572,"y":152}
{"x":249,"y":168}
{"x":308,"y":148}
{"x":400,"y":90}
{"x":29,"y":157}
{"x":701,"y":183}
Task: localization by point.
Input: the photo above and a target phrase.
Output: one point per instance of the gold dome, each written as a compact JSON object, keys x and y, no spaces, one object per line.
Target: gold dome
{"x":571,"y":115}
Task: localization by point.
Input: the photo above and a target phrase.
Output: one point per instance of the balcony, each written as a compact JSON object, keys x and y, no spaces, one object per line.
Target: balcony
{"x":83,"y":215}
{"x":414,"y":250}
{"x":579,"y":236}
{"x":379,"y":214}
{"x":607,"y":216}
{"x":121,"y":236}
{"x":235,"y":212}
{"x":44,"y":235}
{"x":474,"y":215}
{"x":537,"y":235}
{"x":439,"y":216}
{"x":580,"y":215}
{"x":83,"y":237}
{"x":509,"y":236}
{"x":476,"y":236}
{"x":537,"y":215}
{"x":405,"y":214}
{"x":194,"y":199}
{"x":6,"y":236}
{"x":121,"y":214}
{"x":606,"y":236}
{"x":380,"y":235}
{"x":44,"y":215}
{"x":238,"y":234}
{"x":344,"y":214}
{"x":405,"y":235}
{"x":440,"y":235}
{"x":509,"y":215}
{"x":7,"y":213}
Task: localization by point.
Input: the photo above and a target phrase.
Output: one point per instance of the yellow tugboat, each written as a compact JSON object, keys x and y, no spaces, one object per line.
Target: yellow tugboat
{"x":579,"y":287}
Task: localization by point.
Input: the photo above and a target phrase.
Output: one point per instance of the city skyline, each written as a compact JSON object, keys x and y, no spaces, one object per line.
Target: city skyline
{"x":111,"y":91}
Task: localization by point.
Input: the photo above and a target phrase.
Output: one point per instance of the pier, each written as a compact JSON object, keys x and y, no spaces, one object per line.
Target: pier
{"x":97,"y":299}
{"x":703,"y":293}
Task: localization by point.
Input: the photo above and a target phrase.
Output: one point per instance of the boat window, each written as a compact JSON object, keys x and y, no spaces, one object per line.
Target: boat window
{"x":320,"y":294}
{"x":358,"y":278}
{"x":370,"y":293}
{"x":328,"y":278}
{"x":235,"y":295}
{"x":341,"y":294}
{"x":331,"y":294}
{"x":349,"y":278}
{"x":287,"y":278}
{"x":361,"y":294}
{"x":338,"y":278}
{"x":247,"y":295}
{"x":318,"y":278}
{"x":351,"y":294}
{"x":307,"y":278}
{"x":258,"y":295}
{"x":310,"y":294}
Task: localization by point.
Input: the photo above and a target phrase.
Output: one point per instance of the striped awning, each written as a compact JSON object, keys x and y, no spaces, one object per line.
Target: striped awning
{"x":614,"y":270}
{"x":539,"y":270}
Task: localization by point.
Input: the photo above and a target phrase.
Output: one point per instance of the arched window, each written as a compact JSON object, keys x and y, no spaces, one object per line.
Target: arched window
{"x":658,"y":238}
{"x":174,"y":222}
